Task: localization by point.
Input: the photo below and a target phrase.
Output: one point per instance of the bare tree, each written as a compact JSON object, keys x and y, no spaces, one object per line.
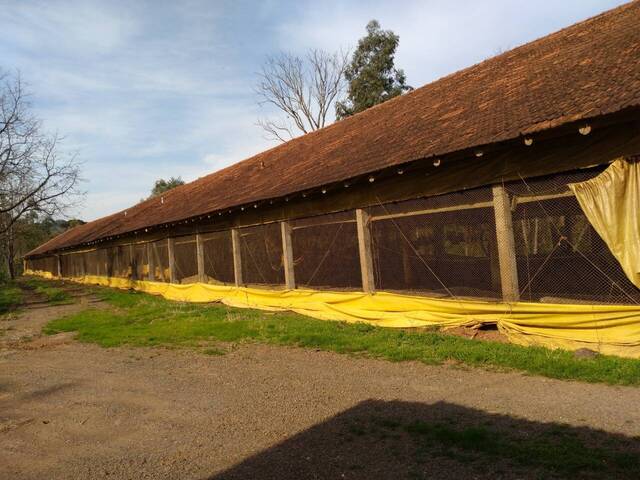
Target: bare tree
{"x":303,"y":88}
{"x":35,"y":179}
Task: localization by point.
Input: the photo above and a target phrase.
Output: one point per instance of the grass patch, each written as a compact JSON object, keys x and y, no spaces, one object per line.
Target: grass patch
{"x":10,"y":297}
{"x":560,"y":451}
{"x":138,"y":319}
{"x":52,"y":294}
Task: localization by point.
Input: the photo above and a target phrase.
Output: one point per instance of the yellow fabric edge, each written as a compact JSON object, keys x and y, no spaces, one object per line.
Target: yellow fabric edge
{"x":608,"y":329}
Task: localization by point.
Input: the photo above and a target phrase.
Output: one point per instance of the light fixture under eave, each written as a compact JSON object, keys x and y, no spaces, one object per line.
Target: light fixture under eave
{"x":437,"y":162}
{"x":528,"y":141}
{"x":585,"y":130}
{"x":400,"y":171}
{"x":324,"y":190}
{"x":479,"y":153}
{"x":372,"y":179}
{"x":346,"y":185}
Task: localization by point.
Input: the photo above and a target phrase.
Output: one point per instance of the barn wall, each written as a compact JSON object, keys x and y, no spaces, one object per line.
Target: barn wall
{"x":443,"y":246}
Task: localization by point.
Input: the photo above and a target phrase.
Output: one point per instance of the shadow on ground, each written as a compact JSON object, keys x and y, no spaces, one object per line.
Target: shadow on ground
{"x":376,"y":440}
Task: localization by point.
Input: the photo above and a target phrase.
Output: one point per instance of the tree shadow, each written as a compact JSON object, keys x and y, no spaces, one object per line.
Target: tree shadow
{"x":402,"y":440}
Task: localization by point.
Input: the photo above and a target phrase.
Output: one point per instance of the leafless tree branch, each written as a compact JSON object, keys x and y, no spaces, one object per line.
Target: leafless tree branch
{"x":304,"y":89}
{"x":35,"y":178}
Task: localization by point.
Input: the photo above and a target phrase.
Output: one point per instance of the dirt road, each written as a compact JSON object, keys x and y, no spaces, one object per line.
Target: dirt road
{"x":69,"y":410}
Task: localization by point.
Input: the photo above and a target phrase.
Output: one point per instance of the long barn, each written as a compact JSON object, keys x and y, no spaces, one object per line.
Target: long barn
{"x":504,"y":193}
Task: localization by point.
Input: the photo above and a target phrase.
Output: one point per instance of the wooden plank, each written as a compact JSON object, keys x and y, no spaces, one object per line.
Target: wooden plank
{"x":506,"y":245}
{"x":237,"y":256}
{"x":59,"y":265}
{"x":541,"y":198}
{"x":363,"y":220}
{"x":453,"y":208}
{"x":151,"y":262}
{"x":173,"y":277}
{"x":200,"y":257}
{"x":287,"y":254}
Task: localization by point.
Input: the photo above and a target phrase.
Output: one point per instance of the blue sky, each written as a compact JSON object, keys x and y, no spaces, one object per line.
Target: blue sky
{"x":149,"y":89}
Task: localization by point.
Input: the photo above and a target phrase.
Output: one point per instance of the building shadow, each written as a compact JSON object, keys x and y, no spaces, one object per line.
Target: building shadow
{"x":402,"y":440}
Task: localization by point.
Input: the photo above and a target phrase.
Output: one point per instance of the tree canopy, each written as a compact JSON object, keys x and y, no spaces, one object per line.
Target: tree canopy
{"x":161,"y":186}
{"x":372,"y":77}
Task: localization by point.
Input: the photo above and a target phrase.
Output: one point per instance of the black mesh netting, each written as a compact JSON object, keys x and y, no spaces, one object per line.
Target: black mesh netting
{"x":44,"y":264}
{"x":91,"y":262}
{"x":444,"y":245}
{"x":325,"y":251}
{"x":560,"y":257}
{"x":440,"y":246}
{"x":160,"y":255}
{"x":218,"y":257}
{"x":186,"y":259}
{"x":140,"y":262}
{"x":261,"y":253}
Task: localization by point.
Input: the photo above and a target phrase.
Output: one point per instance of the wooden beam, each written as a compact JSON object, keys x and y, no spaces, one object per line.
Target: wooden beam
{"x":506,"y":245}
{"x":363,"y":220}
{"x":59,"y":265}
{"x":151,"y":263}
{"x":453,"y":208}
{"x":200,"y":258}
{"x":237,"y":256}
{"x":173,"y":277}
{"x":132,"y":262}
{"x":287,"y":254}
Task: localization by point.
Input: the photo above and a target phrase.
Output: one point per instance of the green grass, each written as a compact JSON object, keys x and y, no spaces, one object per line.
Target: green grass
{"x":559,"y":449}
{"x":138,"y":319}
{"x":51,"y":293}
{"x":10,"y":297}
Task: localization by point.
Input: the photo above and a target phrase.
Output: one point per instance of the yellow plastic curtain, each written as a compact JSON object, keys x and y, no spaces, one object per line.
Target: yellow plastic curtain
{"x":611,"y":202}
{"x":608,"y":329}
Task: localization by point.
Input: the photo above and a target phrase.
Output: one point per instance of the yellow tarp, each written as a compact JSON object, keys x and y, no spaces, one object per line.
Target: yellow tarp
{"x":611,"y":202}
{"x":609,"y":329}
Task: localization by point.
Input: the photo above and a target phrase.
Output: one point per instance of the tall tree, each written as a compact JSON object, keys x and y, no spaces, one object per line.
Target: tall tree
{"x":35,"y":178}
{"x":303,"y":88}
{"x":371,"y":74}
{"x":163,"y":185}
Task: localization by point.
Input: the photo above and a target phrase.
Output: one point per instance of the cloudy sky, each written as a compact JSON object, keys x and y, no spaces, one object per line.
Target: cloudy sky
{"x":150,"y":89}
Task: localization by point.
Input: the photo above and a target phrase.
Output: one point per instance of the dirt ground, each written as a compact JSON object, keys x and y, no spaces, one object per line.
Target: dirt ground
{"x":76,"y":411}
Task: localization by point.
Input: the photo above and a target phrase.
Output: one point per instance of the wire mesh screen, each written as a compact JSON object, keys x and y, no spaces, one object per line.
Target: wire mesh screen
{"x":560,"y":257}
{"x":443,"y":246}
{"x":160,"y":259}
{"x":91,"y":262}
{"x":218,"y":257}
{"x":438,"y":246}
{"x":44,"y":264}
{"x":122,"y":261}
{"x":101,"y":261}
{"x":186,"y":260}
{"x":325,"y":251}
{"x":261,"y":250}
{"x":140,"y":262}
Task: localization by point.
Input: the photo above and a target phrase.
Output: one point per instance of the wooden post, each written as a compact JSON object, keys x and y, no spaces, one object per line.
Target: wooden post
{"x":506,"y":245}
{"x":151,"y":263}
{"x":132,"y":262}
{"x":171,"y":242}
{"x":200,"y":258}
{"x":59,"y":266}
{"x":287,"y":254}
{"x":237,"y":256}
{"x":363,"y":221}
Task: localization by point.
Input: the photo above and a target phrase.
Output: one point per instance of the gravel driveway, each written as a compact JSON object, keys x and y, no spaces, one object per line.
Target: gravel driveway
{"x":69,"y":410}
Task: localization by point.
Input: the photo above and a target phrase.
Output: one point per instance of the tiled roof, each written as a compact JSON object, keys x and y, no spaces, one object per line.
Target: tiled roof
{"x":583,"y":71}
